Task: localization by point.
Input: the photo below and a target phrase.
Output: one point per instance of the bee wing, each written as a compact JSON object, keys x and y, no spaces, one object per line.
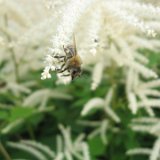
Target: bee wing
{"x":74,"y":44}
{"x":71,"y":50}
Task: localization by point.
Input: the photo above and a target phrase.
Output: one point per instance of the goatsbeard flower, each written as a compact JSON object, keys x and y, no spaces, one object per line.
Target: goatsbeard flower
{"x":108,"y":33}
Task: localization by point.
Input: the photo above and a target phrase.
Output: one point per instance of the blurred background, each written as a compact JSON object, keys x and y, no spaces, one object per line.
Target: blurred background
{"x":99,"y":116}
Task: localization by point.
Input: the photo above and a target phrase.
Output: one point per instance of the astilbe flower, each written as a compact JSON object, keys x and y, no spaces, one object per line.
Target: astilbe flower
{"x":149,"y":125}
{"x":66,"y":148}
{"x":109,"y":33}
{"x":21,"y":32}
{"x":103,"y":125}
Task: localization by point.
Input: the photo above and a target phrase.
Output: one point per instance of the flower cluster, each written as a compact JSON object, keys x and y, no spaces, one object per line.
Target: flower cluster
{"x":111,"y":35}
{"x":66,"y":148}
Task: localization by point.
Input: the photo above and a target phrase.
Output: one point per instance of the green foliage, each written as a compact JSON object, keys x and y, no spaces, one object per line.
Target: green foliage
{"x":41,"y":124}
{"x":19,"y":113}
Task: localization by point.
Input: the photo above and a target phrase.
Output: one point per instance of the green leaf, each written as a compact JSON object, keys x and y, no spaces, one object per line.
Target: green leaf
{"x":154,"y":59}
{"x":34,"y":120}
{"x":96,"y":146}
{"x":3,"y":115}
{"x":20,"y":113}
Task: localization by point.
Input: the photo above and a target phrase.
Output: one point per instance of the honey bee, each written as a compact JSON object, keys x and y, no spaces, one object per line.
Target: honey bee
{"x":71,"y":61}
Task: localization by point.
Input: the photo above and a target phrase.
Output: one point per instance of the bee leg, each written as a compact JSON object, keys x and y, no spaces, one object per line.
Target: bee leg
{"x":66,"y":75}
{"x":67,"y":58}
{"x":61,"y":71}
{"x":62,"y":66}
{"x":59,"y":56}
{"x":63,"y":60}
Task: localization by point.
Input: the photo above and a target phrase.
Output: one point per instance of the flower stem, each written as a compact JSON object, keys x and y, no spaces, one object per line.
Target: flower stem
{"x":31,"y":133}
{"x":11,"y":50}
{"x":15,"y":64}
{"x":4,"y":152}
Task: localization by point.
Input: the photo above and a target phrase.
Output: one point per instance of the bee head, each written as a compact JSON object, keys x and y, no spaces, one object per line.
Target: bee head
{"x":75,"y":72}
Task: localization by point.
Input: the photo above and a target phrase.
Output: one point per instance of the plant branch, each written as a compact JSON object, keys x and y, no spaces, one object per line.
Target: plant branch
{"x":4,"y":152}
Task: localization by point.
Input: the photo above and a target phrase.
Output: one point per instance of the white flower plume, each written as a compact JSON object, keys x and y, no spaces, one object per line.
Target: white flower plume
{"x":150,"y":125}
{"x":107,"y":34}
{"x":66,"y":148}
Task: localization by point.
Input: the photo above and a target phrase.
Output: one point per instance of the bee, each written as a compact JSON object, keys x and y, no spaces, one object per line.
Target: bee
{"x":71,"y":61}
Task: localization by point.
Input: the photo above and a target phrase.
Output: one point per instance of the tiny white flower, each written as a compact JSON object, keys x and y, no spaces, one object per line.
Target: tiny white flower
{"x":49,"y":59}
{"x":46,"y":73}
{"x":93,"y":51}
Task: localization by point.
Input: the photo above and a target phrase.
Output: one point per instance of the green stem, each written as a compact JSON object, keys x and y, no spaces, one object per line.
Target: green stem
{"x":4,"y":152}
{"x":15,"y":64}
{"x":31,"y":133}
